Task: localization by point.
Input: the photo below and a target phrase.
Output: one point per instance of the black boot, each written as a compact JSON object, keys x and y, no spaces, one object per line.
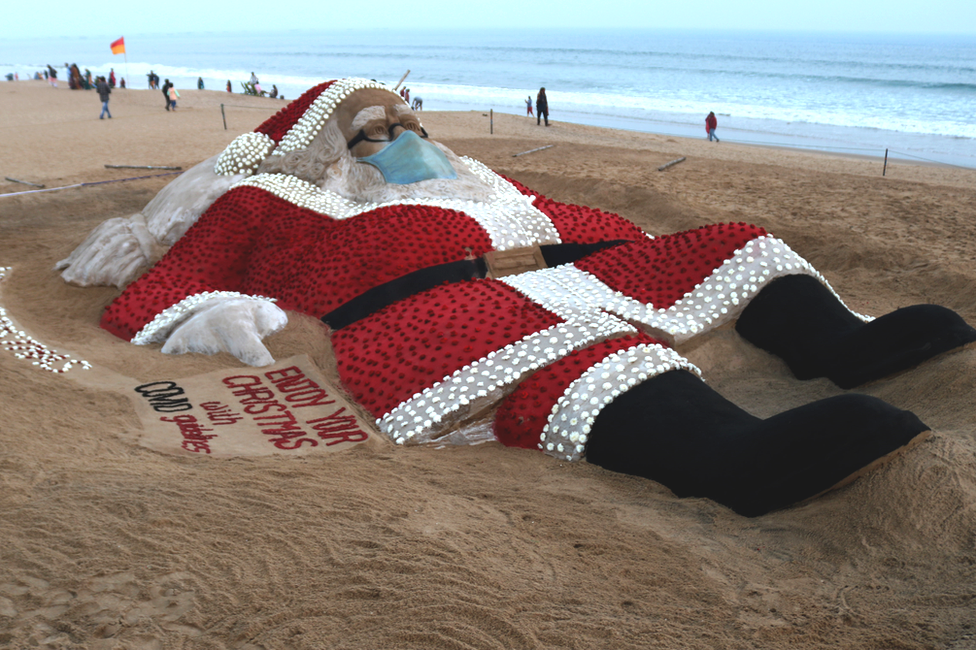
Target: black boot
{"x":799,"y":320}
{"x":677,"y":431}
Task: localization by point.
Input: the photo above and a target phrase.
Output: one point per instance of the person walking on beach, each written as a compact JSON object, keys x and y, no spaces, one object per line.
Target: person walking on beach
{"x":103,"y":92}
{"x":111,"y":78}
{"x":172,"y":96}
{"x":229,"y":88}
{"x":541,"y":107}
{"x":199,"y":83}
{"x":52,"y":75}
{"x":165,"y":89}
{"x":711,"y":122}
{"x":528,"y":106}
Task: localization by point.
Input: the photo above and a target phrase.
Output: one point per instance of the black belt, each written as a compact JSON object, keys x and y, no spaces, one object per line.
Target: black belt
{"x":416,"y":282}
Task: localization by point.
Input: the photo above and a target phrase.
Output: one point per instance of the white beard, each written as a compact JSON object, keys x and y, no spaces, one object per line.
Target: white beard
{"x":364,"y":183}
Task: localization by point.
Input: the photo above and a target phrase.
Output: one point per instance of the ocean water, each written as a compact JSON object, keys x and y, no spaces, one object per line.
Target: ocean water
{"x":847,"y":93}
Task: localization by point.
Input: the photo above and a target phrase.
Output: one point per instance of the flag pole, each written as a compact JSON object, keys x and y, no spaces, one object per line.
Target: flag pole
{"x":126,"y":57}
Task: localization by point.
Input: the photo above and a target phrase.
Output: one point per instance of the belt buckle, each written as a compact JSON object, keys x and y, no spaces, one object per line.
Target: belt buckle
{"x":514,"y":261}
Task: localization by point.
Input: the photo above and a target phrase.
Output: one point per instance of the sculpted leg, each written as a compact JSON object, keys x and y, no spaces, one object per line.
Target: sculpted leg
{"x":798,"y":319}
{"x":677,"y":431}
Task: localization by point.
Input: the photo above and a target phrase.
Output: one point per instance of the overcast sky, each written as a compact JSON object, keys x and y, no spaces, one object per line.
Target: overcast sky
{"x":109,"y":17}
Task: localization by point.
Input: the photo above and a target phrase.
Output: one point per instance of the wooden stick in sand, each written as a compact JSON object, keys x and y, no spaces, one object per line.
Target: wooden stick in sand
{"x":516,"y":155}
{"x":671,"y":164}
{"x":139,"y":167}
{"x":401,"y":80}
{"x":14,"y":180}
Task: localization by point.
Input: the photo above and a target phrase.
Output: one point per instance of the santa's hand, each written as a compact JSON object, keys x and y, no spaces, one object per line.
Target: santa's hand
{"x":114,"y":254}
{"x":234,"y":325}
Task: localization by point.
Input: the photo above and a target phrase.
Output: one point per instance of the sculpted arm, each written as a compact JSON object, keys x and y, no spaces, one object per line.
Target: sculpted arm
{"x":192,"y":299}
{"x":120,"y":249}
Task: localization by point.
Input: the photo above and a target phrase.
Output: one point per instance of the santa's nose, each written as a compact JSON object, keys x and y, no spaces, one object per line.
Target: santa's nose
{"x":393,"y":126}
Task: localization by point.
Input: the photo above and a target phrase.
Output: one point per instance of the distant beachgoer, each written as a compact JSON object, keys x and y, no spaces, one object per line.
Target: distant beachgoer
{"x":254,"y":79}
{"x":229,"y":87}
{"x":122,"y":83}
{"x":274,"y":92}
{"x":111,"y":78}
{"x":52,"y":75}
{"x":76,"y":81}
{"x":199,"y":83}
{"x":150,"y":76}
{"x":541,"y":107}
{"x":528,"y":106}
{"x":406,"y":95}
{"x":173,"y":95}
{"x":103,"y":92}
{"x":89,"y":84}
{"x":711,"y":122}
{"x":418,"y":104}
{"x":166,"y":87}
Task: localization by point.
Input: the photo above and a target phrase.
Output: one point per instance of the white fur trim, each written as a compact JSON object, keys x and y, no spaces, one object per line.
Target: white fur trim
{"x":568,"y":428}
{"x":509,"y":218}
{"x":719,"y":299}
{"x":158,"y":330}
{"x":315,"y":116}
{"x":476,"y":386}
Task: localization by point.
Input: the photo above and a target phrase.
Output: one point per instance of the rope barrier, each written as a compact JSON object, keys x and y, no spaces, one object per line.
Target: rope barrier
{"x":91,"y":183}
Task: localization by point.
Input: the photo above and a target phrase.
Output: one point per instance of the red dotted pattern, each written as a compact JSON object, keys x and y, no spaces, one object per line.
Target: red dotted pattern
{"x":580,"y":224}
{"x":524,"y":413}
{"x":255,"y":243}
{"x":409,"y":346}
{"x":281,"y":122}
{"x":661,"y":271}
{"x":376,"y":247}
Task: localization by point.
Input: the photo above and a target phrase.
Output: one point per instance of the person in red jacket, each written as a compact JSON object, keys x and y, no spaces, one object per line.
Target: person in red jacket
{"x":711,"y":122}
{"x":462,"y":304}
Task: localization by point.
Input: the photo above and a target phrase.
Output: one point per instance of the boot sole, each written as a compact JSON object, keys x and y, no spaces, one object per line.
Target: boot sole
{"x":870,"y":467}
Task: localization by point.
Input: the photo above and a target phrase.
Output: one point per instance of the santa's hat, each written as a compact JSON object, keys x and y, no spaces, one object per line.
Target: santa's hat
{"x":292,"y":128}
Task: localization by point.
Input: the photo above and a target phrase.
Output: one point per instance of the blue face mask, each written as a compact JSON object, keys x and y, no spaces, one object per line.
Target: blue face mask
{"x":409,"y":159}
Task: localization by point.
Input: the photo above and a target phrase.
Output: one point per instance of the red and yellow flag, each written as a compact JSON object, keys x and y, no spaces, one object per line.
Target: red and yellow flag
{"x":118,"y":47}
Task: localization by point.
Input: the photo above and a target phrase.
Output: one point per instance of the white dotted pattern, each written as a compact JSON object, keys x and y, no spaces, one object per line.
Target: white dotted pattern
{"x":25,"y":347}
{"x":427,"y":415}
{"x":718,"y":299}
{"x":572,"y":417}
{"x":509,"y":218}
{"x":311,"y":122}
{"x":244,"y":154}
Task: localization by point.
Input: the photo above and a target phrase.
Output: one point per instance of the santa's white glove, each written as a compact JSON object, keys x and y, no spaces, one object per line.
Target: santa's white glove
{"x":116,"y":252}
{"x":234,"y":325}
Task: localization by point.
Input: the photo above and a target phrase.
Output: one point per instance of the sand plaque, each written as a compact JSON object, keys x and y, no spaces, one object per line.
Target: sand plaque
{"x":287,"y":408}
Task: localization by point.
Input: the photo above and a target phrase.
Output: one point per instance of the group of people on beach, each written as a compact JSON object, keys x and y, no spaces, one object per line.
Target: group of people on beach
{"x":77,"y":80}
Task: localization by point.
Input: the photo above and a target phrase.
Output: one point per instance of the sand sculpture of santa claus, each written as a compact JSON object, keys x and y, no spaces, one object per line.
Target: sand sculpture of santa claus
{"x":461,"y":302}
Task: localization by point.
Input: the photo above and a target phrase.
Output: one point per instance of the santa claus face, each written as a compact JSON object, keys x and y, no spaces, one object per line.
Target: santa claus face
{"x":370,"y":119}
{"x":341,"y":157}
